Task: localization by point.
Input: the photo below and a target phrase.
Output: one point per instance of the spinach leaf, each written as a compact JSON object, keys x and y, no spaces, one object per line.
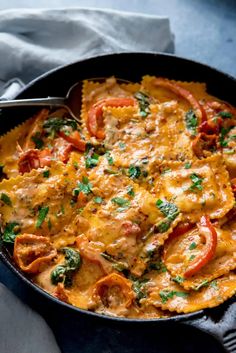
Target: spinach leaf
{"x":63,"y":273}
{"x":144,"y":103}
{"x":54,"y":125}
{"x":191,"y":122}
{"x":139,"y":288}
{"x":10,"y":232}
{"x":43,"y":211}
{"x":165,"y":295}
{"x":170,"y":210}
{"x":37,"y":139}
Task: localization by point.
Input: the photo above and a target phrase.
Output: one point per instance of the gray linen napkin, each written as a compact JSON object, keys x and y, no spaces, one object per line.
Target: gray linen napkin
{"x":35,"y":41}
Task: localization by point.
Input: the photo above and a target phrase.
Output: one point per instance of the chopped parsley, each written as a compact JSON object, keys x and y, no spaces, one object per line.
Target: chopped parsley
{"x":223,"y":132}
{"x":10,"y":232}
{"x":188,"y":165}
{"x":6,"y":199}
{"x":178,"y":279}
{"x":225,"y":114}
{"x":122,"y":145}
{"x":98,"y":199}
{"x":43,"y":211}
{"x":191,"y":122}
{"x":134,"y":172}
{"x":214,"y":285}
{"x":121,"y":202}
{"x":46,"y":173}
{"x":139,"y":288}
{"x":168,"y":209}
{"x":165,"y":295}
{"x":85,"y":186}
{"x":192,"y":257}
{"x":158,"y":266}
{"x":37,"y":139}
{"x":54,"y":125}
{"x":204,"y":283}
{"x":165,"y":171}
{"x":91,"y":160}
{"x":109,"y":158}
{"x":144,"y":103}
{"x":130,"y":191}
{"x":192,"y":246}
{"x":197,"y":182}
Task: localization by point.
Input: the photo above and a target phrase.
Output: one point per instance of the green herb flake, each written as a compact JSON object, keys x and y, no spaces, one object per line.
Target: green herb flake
{"x":91,"y":160}
{"x":41,"y":216}
{"x":54,"y":125}
{"x":10,"y":232}
{"x":165,"y":171}
{"x":76,"y":165}
{"x":98,"y":199}
{"x":192,"y":246}
{"x":83,"y":186}
{"x":130,"y":191}
{"x":204,"y":283}
{"x":168,"y":209}
{"x":191,"y":122}
{"x":122,"y":145}
{"x":178,"y":279}
{"x":37,"y":139}
{"x":134,"y":172}
{"x":6,"y":199}
{"x":196,"y":182}
{"x":109,"y":158}
{"x":163,"y":226}
{"x":49,"y":224}
{"x":165,"y":295}
{"x":144,"y":103}
{"x":214,"y":285}
{"x":46,"y":173}
{"x":158,"y":266}
{"x":139,"y":288}
{"x":225,"y":114}
{"x":192,"y":257}
{"x":121,"y":202}
{"x":223,"y":132}
{"x":188,"y":165}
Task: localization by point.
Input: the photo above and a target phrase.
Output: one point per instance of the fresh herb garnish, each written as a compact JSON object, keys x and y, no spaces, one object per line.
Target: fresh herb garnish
{"x":117,"y":265}
{"x":10,"y":232}
{"x":214,"y":284}
{"x":130,"y":191}
{"x":225,"y":114}
{"x":91,"y":160}
{"x":144,"y":103}
{"x":158,"y":266}
{"x":63,"y":273}
{"x":121,"y":202}
{"x":109,"y":158}
{"x":54,"y":125}
{"x":6,"y":199}
{"x":43,"y":211}
{"x":122,"y":145}
{"x":139,"y":288}
{"x":168,"y":209}
{"x":37,"y":139}
{"x":192,"y":257}
{"x":192,"y":246}
{"x":197,"y":182}
{"x":165,"y":171}
{"x":164,"y":226}
{"x":85,"y":186}
{"x":188,"y":165}
{"x":98,"y":199}
{"x":165,"y":295}
{"x":46,"y":173}
{"x":204,"y":283}
{"x":178,"y":279}
{"x":134,"y":172}
{"x":223,"y":132}
{"x":191,"y":122}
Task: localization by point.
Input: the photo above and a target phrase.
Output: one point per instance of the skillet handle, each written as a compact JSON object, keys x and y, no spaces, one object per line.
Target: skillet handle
{"x":220,"y":323}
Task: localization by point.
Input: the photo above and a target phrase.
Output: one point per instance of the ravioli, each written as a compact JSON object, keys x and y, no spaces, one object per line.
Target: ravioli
{"x":180,"y":251}
{"x":197,"y":188}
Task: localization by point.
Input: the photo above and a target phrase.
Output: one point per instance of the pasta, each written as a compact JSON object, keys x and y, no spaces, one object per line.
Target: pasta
{"x":132,"y":212}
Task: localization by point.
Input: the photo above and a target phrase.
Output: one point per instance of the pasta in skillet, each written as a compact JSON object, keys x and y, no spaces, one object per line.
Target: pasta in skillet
{"x":132,"y":213}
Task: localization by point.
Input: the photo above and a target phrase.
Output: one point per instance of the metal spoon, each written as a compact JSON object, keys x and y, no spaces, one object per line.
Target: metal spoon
{"x":71,"y":102}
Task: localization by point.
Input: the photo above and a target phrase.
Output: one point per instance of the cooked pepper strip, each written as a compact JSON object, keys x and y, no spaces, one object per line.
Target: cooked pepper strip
{"x":182,"y":92}
{"x":203,"y":142}
{"x":34,"y":159}
{"x":32,"y":251}
{"x":207,"y":230}
{"x":75,"y":139}
{"x":95,"y":114}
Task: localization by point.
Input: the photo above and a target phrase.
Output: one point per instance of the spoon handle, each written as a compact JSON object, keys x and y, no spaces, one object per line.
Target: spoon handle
{"x":49,"y":101}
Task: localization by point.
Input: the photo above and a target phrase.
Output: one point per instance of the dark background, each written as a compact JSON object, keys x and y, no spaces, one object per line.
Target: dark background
{"x":205,"y":30}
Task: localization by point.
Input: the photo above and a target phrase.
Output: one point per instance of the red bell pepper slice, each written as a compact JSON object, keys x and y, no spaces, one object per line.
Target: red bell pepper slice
{"x":75,"y":139}
{"x":207,"y":230}
{"x":184,"y":93}
{"x":95,"y":123}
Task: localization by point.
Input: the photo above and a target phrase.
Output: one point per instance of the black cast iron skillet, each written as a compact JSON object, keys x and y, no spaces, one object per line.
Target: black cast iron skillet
{"x":220,"y":321}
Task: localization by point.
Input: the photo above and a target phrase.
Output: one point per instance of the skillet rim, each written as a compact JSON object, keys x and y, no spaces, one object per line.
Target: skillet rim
{"x":4,"y":255}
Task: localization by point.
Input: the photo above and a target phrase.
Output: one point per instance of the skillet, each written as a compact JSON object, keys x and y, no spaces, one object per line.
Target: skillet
{"x":220,"y":322}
